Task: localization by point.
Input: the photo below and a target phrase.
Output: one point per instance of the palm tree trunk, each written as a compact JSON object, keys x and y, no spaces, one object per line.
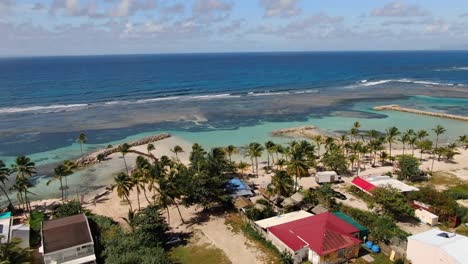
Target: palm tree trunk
{"x":138,"y":198}
{"x":19,"y":195}
{"x":125,"y":162}
{"x":178,"y":210}
{"x":256,"y":165}
{"x":146,"y":197}
{"x":6,"y":195}
{"x":253,"y":167}
{"x":28,"y":206}
{"x":403,"y":148}
{"x":81,"y":147}
{"x":168,"y":215}
{"x":268,"y":159}
{"x":129,"y":203}
{"x":61,"y":188}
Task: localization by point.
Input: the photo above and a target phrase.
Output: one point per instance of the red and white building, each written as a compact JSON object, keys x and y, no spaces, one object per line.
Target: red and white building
{"x":322,"y":238}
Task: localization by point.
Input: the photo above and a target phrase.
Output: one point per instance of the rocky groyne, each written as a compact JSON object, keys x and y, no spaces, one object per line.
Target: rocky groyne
{"x":419,"y":112}
{"x":92,"y":158}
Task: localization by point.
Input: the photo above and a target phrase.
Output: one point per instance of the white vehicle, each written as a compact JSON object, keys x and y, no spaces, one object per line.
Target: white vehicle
{"x":327,"y":177}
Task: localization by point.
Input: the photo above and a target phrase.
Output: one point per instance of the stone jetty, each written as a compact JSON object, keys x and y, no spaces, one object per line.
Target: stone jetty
{"x":419,"y":112}
{"x":92,"y":158}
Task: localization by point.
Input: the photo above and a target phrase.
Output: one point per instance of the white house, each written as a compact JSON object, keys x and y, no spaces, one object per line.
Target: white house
{"x":436,"y":247}
{"x":67,"y":240}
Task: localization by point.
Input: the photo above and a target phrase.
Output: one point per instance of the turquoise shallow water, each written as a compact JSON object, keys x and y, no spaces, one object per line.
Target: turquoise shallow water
{"x":101,"y":175}
{"x":261,"y":132}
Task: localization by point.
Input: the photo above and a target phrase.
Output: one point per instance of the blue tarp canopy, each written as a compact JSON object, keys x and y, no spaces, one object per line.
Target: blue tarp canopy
{"x":239,"y":187}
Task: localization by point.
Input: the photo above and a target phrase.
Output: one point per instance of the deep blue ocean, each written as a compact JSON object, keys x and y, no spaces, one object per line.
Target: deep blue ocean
{"x":47,"y":81}
{"x":46,"y":101}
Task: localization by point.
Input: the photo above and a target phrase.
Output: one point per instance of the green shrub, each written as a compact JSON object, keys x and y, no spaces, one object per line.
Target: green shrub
{"x":35,"y":223}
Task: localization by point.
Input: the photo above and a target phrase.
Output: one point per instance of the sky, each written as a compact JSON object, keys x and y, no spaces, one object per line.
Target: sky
{"x":89,"y":27}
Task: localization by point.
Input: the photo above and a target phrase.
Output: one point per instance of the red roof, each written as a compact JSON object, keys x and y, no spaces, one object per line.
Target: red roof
{"x":323,"y":233}
{"x":363,"y":184}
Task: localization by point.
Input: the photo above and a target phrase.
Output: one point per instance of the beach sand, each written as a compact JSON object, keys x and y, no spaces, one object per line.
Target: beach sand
{"x":214,"y":229}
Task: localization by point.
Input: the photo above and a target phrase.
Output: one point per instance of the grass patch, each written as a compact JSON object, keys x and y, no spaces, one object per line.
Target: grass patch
{"x":272,"y":255}
{"x":35,"y":222}
{"x":445,"y":179}
{"x":205,"y":253}
{"x":459,"y":191}
{"x":462,"y":230}
{"x":379,"y":258}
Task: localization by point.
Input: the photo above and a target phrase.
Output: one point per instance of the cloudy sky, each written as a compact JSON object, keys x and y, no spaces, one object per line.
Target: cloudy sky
{"x":74,"y":27}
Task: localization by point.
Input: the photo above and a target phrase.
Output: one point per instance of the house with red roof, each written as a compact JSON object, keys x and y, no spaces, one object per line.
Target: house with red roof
{"x":322,"y":238}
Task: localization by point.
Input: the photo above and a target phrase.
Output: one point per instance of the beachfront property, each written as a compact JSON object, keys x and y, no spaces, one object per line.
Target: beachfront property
{"x":263,"y":225}
{"x":294,"y":199}
{"x":322,"y":238}
{"x":5,"y":224}
{"x":370,"y":183}
{"x":436,"y":247}
{"x":67,"y":240}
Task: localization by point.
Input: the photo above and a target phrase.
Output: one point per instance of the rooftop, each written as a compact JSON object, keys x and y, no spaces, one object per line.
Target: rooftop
{"x":239,"y":188}
{"x":281,"y":219}
{"x":454,"y":245}
{"x":363,"y":184}
{"x":382,"y":181}
{"x":323,"y":233}
{"x":65,"y":232}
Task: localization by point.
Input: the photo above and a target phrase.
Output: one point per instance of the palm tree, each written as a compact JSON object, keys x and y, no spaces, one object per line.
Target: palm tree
{"x":12,"y":252}
{"x":231,"y":149}
{"x":270,"y":148}
{"x":318,"y":141}
{"x":255,"y":151}
{"x":280,"y":163}
{"x":282,"y":183}
{"x":123,"y":149}
{"x":176,"y":150}
{"x":143,"y":176}
{"x":242,"y":166}
{"x":4,"y":173}
{"x":23,"y":167}
{"x":124,"y":185}
{"x":392,"y":133}
{"x":60,"y":172}
{"x":463,"y":140}
{"x":21,"y":186}
{"x":297,"y":164}
{"x":150,"y":148}
{"x":405,"y":137}
{"x":438,"y":130}
{"x":412,"y":142}
{"x":81,"y":139}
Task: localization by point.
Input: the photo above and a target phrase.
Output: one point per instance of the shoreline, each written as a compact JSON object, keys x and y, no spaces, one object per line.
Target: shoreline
{"x":394,"y":107}
{"x":92,"y":158}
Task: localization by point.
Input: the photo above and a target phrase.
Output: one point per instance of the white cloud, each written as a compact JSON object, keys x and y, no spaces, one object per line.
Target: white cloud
{"x":6,"y":6}
{"x":208,"y":7}
{"x":130,"y":7}
{"x":280,"y":8}
{"x":399,"y":9}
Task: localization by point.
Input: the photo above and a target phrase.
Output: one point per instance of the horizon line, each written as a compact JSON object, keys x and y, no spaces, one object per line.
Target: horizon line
{"x":228,"y":52}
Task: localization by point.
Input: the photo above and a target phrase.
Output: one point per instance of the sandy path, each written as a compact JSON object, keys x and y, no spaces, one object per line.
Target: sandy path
{"x":234,"y":245}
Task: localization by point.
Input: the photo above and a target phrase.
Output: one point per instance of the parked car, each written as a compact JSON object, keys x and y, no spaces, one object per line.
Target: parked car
{"x":339,"y":195}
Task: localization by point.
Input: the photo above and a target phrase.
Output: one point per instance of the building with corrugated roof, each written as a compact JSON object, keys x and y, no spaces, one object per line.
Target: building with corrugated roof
{"x":67,"y":240}
{"x":323,"y":238}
